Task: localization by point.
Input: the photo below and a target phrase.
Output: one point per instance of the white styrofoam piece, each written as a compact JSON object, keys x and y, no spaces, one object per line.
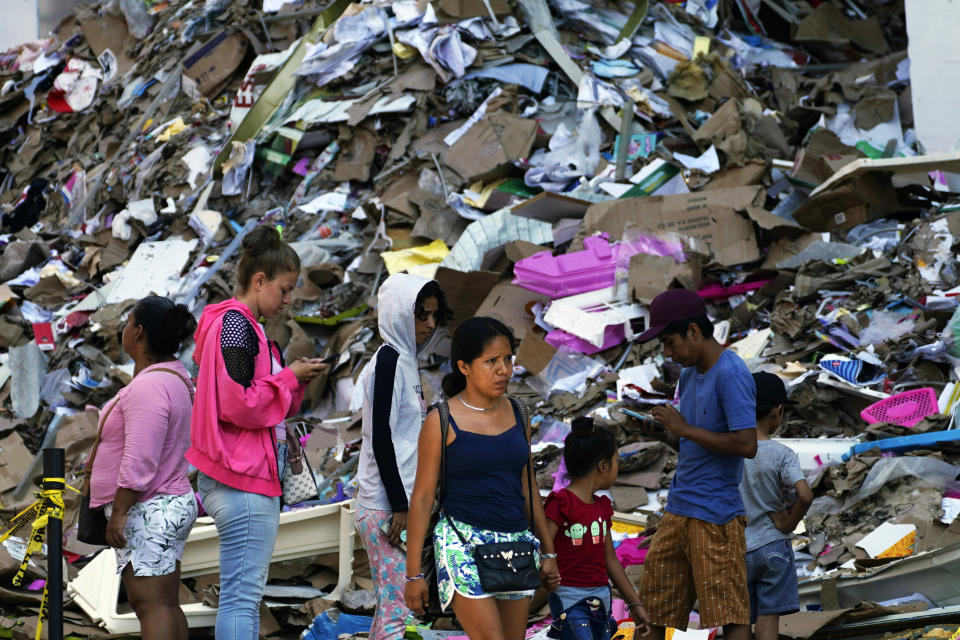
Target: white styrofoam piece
{"x":312,"y":530}
{"x":641,"y":376}
{"x":153,"y":269}
{"x":96,"y":299}
{"x":587,"y":315}
{"x":95,"y":590}
{"x":885,"y":536}
{"x":830,"y":381}
{"x":828,"y":449}
{"x":302,"y":532}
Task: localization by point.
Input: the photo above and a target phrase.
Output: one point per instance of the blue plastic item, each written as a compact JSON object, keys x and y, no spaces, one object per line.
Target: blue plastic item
{"x":906,"y":443}
{"x":323,"y":628}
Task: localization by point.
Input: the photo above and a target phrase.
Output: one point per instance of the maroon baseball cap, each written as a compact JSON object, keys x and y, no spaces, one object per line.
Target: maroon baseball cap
{"x":671,"y":306}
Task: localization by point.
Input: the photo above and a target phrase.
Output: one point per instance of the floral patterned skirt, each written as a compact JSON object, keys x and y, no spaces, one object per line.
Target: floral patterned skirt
{"x":156,"y":531}
{"x":456,"y":568}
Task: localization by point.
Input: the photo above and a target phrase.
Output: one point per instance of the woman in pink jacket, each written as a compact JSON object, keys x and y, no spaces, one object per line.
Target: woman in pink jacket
{"x":244,"y":394}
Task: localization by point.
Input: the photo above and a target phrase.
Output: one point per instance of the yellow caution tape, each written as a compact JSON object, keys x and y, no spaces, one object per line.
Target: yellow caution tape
{"x":44,"y":603}
{"x":51,"y":507}
{"x":49,"y":504}
{"x":20,"y":520}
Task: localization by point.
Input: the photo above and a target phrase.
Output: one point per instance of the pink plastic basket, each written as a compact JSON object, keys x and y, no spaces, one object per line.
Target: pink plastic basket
{"x":905,"y":409}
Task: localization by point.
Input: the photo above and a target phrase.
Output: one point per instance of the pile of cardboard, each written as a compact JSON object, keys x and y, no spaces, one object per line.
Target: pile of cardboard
{"x":553,"y":165}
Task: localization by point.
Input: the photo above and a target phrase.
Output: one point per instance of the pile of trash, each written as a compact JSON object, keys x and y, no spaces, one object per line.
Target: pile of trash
{"x":553,"y":165}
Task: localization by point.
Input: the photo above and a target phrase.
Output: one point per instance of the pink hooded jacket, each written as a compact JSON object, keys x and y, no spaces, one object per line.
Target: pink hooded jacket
{"x":232,"y":426}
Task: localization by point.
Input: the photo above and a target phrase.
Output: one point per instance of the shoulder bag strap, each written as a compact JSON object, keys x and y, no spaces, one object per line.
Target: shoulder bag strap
{"x":182,"y":379}
{"x":524,"y":424}
{"x":295,"y":453}
{"x":444,"y":410}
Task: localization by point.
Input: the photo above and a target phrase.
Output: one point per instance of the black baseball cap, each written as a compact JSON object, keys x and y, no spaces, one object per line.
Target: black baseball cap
{"x":673,"y":305}
{"x":771,"y":391}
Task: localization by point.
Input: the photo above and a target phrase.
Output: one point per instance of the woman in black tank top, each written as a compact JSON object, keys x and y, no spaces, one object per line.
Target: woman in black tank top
{"x":486,"y":487}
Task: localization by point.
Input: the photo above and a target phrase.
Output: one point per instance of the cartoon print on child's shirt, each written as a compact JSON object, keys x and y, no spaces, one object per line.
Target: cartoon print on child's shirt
{"x":576,"y":533}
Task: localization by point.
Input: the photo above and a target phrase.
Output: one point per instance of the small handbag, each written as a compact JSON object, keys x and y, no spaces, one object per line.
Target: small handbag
{"x":299,"y":482}
{"x":92,"y":522}
{"x":507,"y":566}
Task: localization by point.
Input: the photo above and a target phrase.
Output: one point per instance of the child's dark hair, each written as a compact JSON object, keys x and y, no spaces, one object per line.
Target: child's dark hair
{"x":433,"y":290}
{"x":265,"y":251}
{"x":469,"y":341}
{"x":681,"y":327}
{"x":586,"y":446}
{"x":763,"y":410}
{"x":166,"y":324}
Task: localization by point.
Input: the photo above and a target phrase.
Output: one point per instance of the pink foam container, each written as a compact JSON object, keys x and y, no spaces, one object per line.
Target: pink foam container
{"x":612,"y":336}
{"x":572,"y":273}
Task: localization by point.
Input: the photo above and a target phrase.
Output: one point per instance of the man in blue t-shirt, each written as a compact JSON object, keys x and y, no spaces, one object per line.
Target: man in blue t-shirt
{"x":698,"y":552}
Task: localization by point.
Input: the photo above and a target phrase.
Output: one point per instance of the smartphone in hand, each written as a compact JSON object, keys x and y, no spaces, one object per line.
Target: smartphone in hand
{"x":385,"y":528}
{"x":643,"y":417}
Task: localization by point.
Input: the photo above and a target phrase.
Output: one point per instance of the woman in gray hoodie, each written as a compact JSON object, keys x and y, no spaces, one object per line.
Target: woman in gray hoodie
{"x":410,"y":308}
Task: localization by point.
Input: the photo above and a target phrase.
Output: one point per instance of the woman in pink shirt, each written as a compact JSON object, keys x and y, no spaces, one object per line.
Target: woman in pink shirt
{"x":139,"y":474}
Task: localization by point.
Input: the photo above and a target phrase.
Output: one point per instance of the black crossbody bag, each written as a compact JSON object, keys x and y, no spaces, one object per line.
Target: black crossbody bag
{"x":504,"y":566}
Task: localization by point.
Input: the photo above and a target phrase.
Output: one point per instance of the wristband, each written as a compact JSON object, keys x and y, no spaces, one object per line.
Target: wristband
{"x":419,"y":576}
{"x":548,"y":556}
{"x":634,"y":604}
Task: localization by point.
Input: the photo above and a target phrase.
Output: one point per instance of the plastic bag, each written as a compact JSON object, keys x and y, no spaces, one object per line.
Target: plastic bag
{"x":572,"y":154}
{"x":886,"y":325}
{"x":879,"y":235}
{"x":139,"y":20}
{"x":951,"y":334}
{"x":928,"y":471}
{"x":567,"y":371}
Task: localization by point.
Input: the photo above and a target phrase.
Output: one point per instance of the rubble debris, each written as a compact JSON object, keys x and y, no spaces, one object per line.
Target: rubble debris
{"x":553,"y":165}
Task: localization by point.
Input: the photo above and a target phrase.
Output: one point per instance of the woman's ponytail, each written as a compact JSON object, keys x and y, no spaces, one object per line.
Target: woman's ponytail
{"x":453,"y":383}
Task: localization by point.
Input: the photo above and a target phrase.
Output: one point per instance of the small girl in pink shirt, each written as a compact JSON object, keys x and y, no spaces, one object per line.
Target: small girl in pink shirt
{"x":139,"y":474}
